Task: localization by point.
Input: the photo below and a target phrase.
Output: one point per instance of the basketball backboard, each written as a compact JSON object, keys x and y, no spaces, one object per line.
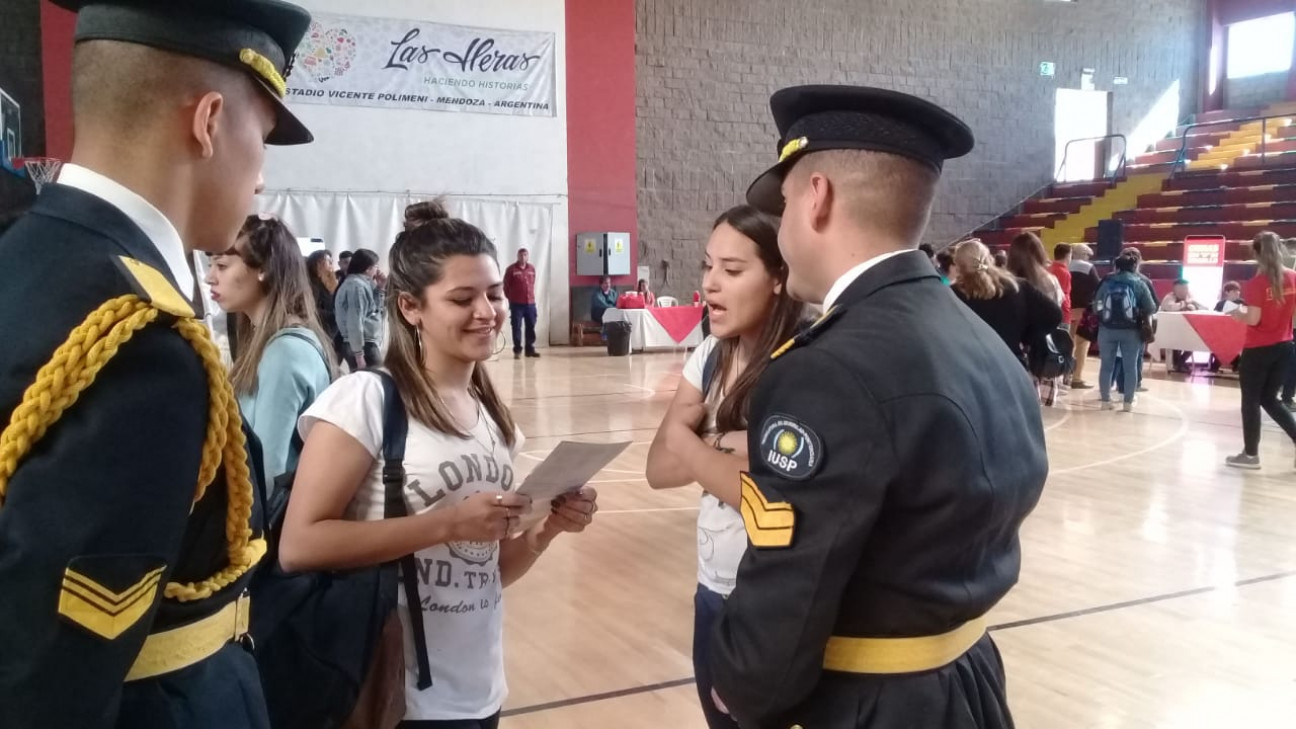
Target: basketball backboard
{"x":10,"y":129}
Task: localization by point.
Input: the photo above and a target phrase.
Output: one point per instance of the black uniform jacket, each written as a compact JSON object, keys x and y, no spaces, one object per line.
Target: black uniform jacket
{"x":895,"y":450}
{"x":99,"y":516}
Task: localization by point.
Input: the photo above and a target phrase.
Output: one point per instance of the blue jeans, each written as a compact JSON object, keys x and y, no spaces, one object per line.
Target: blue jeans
{"x":707,"y":607}
{"x":519,"y":314}
{"x":1129,"y":345}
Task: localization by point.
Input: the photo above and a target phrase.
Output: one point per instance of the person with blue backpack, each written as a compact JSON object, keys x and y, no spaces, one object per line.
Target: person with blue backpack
{"x":703,"y":437}
{"x":1122,"y":303}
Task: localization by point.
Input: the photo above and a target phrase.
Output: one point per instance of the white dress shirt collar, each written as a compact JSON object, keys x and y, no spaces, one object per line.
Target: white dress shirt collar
{"x":160,"y":232}
{"x":849,"y":277}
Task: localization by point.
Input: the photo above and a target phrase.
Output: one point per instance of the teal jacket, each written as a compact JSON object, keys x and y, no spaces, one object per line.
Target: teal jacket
{"x":292,"y":373}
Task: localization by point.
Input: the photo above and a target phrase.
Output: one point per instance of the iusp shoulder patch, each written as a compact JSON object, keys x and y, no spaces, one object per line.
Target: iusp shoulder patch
{"x":152,"y":286}
{"x":789,"y":448}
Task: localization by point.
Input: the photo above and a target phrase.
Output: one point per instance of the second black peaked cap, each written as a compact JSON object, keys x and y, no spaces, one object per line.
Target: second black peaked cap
{"x":817,"y":118}
{"x":257,"y":37}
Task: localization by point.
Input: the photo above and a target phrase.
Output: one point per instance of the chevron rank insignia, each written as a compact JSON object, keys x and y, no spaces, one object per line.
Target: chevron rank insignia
{"x":769,"y":524}
{"x":108,"y":594}
{"x":152,"y":286}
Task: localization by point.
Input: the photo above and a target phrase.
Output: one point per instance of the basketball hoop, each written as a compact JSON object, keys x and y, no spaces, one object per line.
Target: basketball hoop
{"x":41,"y":170}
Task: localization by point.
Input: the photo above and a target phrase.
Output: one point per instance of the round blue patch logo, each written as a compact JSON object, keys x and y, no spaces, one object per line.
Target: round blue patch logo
{"x":789,"y":448}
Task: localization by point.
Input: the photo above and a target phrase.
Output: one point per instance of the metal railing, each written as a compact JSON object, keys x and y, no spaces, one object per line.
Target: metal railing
{"x":1181,"y":160}
{"x":1116,"y":172}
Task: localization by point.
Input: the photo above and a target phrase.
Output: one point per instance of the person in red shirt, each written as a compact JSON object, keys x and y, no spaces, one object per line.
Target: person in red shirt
{"x":1061,"y":270}
{"x":519,"y":289}
{"x":1267,"y":350}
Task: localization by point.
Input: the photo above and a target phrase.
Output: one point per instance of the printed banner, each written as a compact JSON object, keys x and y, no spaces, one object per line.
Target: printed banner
{"x":349,"y":60}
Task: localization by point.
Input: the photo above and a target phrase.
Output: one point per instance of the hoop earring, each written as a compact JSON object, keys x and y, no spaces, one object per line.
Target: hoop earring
{"x":503,"y":343}
{"x":418,"y":337}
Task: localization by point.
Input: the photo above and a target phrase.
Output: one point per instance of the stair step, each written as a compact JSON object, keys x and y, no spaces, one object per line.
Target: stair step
{"x":1172,"y":144}
{"x":1055,"y":204}
{"x":1219,"y":196}
{"x":1239,"y":213}
{"x":1176,"y":231}
{"x":1231,"y":178}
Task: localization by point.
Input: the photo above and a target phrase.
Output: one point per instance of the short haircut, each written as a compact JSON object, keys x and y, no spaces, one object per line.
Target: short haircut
{"x":882,"y":192}
{"x":120,"y":84}
{"x":1232,"y":286}
{"x":1181,"y":282}
{"x":1061,"y":250}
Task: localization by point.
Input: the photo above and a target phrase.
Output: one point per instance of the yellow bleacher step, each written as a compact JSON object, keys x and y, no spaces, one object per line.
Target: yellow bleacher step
{"x":1122,"y":196}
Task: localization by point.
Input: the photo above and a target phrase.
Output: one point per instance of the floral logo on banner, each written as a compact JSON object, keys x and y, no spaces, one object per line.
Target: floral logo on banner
{"x":326,"y":53}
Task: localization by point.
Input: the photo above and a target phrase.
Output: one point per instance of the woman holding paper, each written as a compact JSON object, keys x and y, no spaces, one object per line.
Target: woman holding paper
{"x":703,"y":438}
{"x":445,"y":311}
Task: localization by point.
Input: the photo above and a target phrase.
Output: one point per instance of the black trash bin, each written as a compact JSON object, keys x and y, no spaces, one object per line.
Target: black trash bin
{"x":618,"y":338}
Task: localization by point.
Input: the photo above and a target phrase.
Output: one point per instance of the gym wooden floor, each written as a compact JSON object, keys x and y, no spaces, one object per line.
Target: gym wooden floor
{"x":1158,"y":587}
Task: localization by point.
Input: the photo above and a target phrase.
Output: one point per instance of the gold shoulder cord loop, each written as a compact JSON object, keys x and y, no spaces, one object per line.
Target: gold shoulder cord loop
{"x":73,"y":368}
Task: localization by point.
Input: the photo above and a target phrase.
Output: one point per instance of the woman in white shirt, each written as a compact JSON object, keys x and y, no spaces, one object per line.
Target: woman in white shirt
{"x":703,"y":437}
{"x":447,"y":307}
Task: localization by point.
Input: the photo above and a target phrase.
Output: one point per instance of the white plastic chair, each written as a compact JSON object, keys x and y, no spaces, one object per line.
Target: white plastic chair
{"x":664,"y":301}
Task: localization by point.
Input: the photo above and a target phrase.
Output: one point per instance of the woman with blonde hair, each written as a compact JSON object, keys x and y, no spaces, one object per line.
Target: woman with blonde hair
{"x":284,"y":357}
{"x":1267,"y":350}
{"x":1017,"y":311}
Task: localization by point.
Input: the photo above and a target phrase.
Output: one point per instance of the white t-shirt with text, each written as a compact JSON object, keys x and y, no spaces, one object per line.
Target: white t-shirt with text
{"x":459,"y":582}
{"x":722,"y":539}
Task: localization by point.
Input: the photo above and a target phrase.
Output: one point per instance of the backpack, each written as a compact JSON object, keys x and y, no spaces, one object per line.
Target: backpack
{"x":317,"y":634}
{"x":1117,"y":307}
{"x":1051,"y":354}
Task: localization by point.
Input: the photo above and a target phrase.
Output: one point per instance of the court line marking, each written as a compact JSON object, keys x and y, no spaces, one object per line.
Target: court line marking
{"x":649,"y":688}
{"x":619,"y":693}
{"x":1140,"y":601}
{"x":1059,"y":423}
{"x":1180,"y":432}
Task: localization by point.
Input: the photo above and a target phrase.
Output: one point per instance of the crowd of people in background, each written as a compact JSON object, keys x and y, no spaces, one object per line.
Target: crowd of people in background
{"x":1024,"y":298}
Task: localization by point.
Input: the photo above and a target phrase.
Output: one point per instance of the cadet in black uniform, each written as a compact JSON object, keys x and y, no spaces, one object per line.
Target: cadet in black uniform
{"x":129,"y":521}
{"x":896,"y":446}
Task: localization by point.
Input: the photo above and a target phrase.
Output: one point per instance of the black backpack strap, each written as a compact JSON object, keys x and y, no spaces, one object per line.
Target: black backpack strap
{"x":395,"y":429}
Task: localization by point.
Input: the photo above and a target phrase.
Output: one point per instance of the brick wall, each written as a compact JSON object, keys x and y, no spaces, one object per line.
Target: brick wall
{"x":706,"y":68}
{"x":20,"y":77}
{"x":1256,"y":91}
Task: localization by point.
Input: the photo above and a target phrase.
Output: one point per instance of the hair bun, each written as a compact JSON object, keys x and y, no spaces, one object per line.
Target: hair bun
{"x":422,"y":213}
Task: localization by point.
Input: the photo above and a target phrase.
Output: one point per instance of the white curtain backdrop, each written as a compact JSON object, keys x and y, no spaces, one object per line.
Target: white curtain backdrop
{"x":348,"y":220}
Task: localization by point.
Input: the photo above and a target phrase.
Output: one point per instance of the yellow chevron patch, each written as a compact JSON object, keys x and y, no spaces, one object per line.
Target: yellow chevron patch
{"x":102,"y":611}
{"x":769,"y":524}
{"x":153,"y":287}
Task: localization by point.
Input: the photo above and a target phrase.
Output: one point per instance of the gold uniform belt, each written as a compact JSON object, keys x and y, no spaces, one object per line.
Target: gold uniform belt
{"x":177,"y":648}
{"x":901,"y":655}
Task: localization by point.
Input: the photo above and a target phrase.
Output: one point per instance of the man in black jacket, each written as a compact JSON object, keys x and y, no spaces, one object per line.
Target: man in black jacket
{"x":896,"y":446}
{"x":129,"y":510}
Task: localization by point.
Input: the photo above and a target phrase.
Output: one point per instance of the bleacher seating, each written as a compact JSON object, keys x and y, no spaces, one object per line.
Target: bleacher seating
{"x":1225,"y":186}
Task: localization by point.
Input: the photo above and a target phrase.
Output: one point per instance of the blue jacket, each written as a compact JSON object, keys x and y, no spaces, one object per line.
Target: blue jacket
{"x":358,"y":308}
